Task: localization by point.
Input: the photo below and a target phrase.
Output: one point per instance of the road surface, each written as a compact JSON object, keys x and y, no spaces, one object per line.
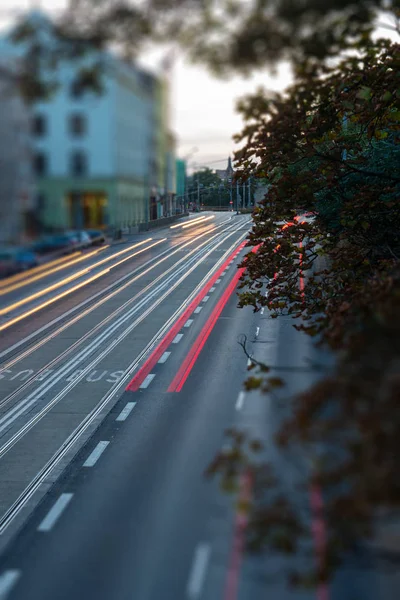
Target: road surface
{"x":120,"y":372}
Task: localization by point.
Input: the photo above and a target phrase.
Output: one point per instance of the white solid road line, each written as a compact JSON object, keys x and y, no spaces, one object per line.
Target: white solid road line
{"x":55,"y":512}
{"x":197,"y":310}
{"x":7,"y":582}
{"x":147,"y":381}
{"x":198,"y":572}
{"x":125,"y":412}
{"x":205,"y":298}
{"x":164,"y":358}
{"x":95,"y":455}
{"x":240,"y":400}
{"x":188,"y":323}
{"x":177,"y":338}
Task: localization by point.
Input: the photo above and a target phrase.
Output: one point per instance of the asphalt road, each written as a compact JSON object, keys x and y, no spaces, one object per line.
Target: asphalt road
{"x":115,"y":398}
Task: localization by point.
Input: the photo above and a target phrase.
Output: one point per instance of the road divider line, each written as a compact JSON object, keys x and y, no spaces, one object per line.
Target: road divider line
{"x":177,"y":338}
{"x":206,"y":298}
{"x":191,"y":357}
{"x":197,"y":310}
{"x":7,"y":581}
{"x":240,"y":400}
{"x":218,"y":280}
{"x":198,"y":572}
{"x":55,"y":512}
{"x":164,"y":358}
{"x":166,"y":341}
{"x":212,"y":289}
{"x":188,"y":323}
{"x":147,"y":381}
{"x":95,"y":455}
{"x":126,"y":411}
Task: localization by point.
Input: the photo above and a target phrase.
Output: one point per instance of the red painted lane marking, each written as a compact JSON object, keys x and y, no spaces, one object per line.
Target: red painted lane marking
{"x":318,"y":525}
{"x":237,"y":552}
{"x":154,"y":357}
{"x":190,"y":359}
{"x":318,"y":528}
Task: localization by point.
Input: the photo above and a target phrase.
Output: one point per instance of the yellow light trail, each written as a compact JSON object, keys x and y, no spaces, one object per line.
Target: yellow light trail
{"x":193,"y":221}
{"x":58,"y":284}
{"x":76,"y":287}
{"x":38,"y":269}
{"x":50,"y":271}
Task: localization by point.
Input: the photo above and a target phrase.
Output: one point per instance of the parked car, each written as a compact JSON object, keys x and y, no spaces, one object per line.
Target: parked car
{"x":66,"y":242}
{"x":97,"y":237}
{"x":16,"y":259}
{"x":82,"y":238}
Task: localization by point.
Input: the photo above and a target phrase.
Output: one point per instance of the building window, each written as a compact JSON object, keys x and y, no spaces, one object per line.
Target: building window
{"x":76,"y":89}
{"x":79,"y":165}
{"x":40,"y":165}
{"x":39,"y":125}
{"x":77,"y":125}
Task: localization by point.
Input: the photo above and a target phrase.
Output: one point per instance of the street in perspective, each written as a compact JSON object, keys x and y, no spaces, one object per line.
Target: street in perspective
{"x":199,"y":328}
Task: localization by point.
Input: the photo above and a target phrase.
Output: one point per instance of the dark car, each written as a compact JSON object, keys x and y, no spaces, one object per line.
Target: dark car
{"x":97,"y":237}
{"x":82,"y":238}
{"x":66,"y":242}
{"x":13,"y":260}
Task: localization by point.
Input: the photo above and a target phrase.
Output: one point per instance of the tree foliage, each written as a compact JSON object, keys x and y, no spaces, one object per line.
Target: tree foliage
{"x":329,"y":147}
{"x":226,"y":35}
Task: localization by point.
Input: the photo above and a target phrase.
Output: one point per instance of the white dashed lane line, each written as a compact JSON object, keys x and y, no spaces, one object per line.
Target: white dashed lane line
{"x":188,"y":323}
{"x":240,"y":400}
{"x":218,"y":280}
{"x":198,"y":572}
{"x":205,"y":299}
{"x":147,"y":381}
{"x":126,"y":411}
{"x":164,"y":358}
{"x":55,"y":512}
{"x":95,"y":455}
{"x":177,"y":338}
{"x":198,"y":309}
{"x":212,"y":289}
{"x":7,"y":581}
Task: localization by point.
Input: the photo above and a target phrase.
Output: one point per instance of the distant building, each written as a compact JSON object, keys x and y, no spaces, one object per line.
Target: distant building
{"x":226,"y":174}
{"x":99,"y":159}
{"x":181,"y":184}
{"x":17,"y":220}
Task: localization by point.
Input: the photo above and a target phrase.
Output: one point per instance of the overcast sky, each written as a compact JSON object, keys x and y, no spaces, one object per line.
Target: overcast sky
{"x":202,"y":108}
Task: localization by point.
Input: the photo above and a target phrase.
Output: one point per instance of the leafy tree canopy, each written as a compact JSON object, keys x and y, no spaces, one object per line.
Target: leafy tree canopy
{"x":329,"y":147}
{"x":226,"y":35}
